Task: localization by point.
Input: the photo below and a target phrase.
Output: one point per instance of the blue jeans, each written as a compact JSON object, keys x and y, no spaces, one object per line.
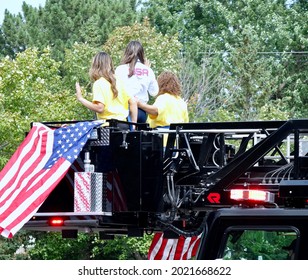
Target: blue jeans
{"x":142,"y":116}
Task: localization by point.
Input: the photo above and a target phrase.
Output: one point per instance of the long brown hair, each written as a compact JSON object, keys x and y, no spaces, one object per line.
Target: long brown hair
{"x":168,"y":82}
{"x":102,"y":66}
{"x":132,"y":53}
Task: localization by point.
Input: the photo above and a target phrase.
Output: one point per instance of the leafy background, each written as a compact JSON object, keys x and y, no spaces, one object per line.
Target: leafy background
{"x":237,"y":60}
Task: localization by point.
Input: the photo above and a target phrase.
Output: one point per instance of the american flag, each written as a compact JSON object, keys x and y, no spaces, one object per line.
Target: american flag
{"x":35,"y":169}
{"x":183,"y":248}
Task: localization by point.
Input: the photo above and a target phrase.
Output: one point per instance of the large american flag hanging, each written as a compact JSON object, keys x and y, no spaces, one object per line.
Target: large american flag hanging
{"x":35,"y":169}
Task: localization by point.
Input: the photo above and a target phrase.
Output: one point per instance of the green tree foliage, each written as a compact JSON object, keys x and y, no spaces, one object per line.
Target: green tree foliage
{"x":76,"y":64}
{"x":31,"y":90}
{"x":16,"y":248}
{"x":261,"y":45}
{"x":254,"y":244}
{"x":51,"y":246}
{"x":239,"y":60}
{"x":162,"y":50}
{"x":250,"y":81}
{"x":13,"y":37}
{"x":204,"y":25}
{"x":204,"y":84}
{"x":8,"y":248}
{"x":59,"y":24}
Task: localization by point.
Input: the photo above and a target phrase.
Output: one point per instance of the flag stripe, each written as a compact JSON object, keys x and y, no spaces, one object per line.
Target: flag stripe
{"x":31,"y":205}
{"x":155,"y":246}
{"x":183,"y":248}
{"x":11,"y":170}
{"x":192,"y":249}
{"x":8,"y":168}
{"x":31,"y":200}
{"x":30,"y":166}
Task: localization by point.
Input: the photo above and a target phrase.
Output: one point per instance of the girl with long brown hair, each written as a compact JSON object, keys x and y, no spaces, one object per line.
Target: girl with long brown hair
{"x":137,"y":75}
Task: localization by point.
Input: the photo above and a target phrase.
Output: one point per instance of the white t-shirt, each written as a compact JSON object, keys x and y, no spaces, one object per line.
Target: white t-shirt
{"x":141,"y":84}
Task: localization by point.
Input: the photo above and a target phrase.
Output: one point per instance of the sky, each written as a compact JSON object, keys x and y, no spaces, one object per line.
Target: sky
{"x":14,"y":6}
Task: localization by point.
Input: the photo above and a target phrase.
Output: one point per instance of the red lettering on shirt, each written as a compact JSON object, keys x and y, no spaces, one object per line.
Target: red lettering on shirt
{"x":141,"y":72}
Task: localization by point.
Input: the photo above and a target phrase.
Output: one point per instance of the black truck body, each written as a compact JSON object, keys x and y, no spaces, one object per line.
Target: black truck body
{"x":180,"y":180}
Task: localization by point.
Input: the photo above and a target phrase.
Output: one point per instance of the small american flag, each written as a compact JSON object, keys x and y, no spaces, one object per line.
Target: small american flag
{"x":183,"y":248}
{"x":35,"y":169}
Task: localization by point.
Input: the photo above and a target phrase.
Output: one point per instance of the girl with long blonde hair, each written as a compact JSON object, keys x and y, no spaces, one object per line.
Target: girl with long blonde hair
{"x":110,"y":99}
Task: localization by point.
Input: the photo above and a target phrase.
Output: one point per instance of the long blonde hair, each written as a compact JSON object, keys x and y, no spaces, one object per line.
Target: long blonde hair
{"x":102,"y":66}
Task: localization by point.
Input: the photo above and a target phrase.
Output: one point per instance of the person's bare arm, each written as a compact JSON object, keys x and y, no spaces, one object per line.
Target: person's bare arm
{"x":96,"y":107}
{"x":133,"y":109}
{"x":150,"y":109}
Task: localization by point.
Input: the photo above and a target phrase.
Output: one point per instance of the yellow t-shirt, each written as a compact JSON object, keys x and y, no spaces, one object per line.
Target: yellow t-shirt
{"x":115,"y":108}
{"x":171,"y":109}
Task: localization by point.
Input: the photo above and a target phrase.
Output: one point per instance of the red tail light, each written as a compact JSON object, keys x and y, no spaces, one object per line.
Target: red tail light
{"x":252,"y":195}
{"x":56,"y":222}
